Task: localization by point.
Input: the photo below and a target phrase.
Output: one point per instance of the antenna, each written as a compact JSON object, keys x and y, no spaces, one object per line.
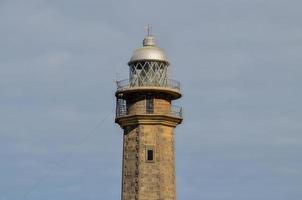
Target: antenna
{"x":149,"y":29}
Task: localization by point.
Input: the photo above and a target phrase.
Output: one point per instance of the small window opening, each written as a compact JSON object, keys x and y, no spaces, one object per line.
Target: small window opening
{"x":149,"y":104}
{"x":150,"y":155}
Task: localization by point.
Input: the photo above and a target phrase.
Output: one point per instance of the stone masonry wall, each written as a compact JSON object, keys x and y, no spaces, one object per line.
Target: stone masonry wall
{"x":130,"y":164}
{"x":138,"y":106}
{"x":145,"y":180}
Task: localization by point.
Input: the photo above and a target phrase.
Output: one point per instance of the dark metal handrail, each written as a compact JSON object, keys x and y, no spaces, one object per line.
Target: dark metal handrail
{"x":166,"y":83}
{"x":122,"y":110}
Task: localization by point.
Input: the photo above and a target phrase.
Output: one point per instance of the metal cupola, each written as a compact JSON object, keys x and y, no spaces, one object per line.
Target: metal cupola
{"x":149,"y":65}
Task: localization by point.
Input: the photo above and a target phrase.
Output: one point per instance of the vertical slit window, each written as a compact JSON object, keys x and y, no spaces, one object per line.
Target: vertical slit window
{"x":149,"y":104}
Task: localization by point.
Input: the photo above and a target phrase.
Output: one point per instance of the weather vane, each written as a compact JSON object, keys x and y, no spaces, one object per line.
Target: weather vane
{"x":149,"y":29}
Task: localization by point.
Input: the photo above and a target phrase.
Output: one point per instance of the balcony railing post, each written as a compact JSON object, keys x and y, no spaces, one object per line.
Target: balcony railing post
{"x":166,"y":83}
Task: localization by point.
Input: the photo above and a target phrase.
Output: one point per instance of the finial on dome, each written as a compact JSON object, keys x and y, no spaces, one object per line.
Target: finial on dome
{"x":149,"y":29}
{"x":149,"y":51}
{"x":149,"y":40}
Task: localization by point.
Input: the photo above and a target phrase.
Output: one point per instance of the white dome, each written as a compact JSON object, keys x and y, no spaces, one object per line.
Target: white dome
{"x":149,"y":52}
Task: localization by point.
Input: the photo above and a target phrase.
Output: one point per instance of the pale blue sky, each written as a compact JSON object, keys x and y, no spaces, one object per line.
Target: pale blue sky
{"x":239,"y":62}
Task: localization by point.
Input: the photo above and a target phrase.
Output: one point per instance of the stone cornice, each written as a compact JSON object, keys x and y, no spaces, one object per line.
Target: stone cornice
{"x":152,"y":119}
{"x":125,"y":92}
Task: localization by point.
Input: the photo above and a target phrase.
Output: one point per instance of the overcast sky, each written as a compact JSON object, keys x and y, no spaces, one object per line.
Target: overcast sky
{"x":239,"y":62}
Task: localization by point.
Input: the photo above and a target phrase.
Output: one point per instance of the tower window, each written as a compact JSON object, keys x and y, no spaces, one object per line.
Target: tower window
{"x":149,"y":104}
{"x":150,"y":155}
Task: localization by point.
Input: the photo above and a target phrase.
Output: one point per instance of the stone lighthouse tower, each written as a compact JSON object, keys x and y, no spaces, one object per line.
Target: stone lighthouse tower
{"x":145,"y":112}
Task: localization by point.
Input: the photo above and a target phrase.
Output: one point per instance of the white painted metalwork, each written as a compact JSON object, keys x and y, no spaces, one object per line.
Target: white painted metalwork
{"x":146,"y":73}
{"x":126,"y":84}
{"x":149,"y":51}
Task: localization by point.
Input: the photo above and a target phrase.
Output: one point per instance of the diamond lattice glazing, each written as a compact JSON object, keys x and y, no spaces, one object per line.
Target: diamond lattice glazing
{"x":148,"y":73}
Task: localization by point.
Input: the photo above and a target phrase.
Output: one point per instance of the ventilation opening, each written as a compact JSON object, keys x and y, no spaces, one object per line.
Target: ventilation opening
{"x":150,"y":155}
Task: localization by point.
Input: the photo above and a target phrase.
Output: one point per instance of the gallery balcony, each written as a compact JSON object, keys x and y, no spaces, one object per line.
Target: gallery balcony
{"x":168,"y":86}
{"x":121,"y":111}
{"x":127,"y":116}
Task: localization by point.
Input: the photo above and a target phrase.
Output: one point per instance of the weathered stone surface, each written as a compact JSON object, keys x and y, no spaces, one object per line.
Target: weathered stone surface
{"x":138,"y":106}
{"x":145,"y":179}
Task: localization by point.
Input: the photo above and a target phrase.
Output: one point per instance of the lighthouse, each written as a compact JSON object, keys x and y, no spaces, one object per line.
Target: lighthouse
{"x":145,"y":112}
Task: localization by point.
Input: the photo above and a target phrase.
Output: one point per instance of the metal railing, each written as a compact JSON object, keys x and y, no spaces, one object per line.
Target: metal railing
{"x":166,"y":83}
{"x":176,"y":111}
{"x":122,"y":110}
